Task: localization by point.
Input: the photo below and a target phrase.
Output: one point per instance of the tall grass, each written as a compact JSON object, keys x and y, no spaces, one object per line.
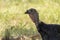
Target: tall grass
{"x":12,"y":15}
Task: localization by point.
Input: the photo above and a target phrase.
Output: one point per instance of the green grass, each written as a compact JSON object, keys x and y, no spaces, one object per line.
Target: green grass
{"x":12,"y":15}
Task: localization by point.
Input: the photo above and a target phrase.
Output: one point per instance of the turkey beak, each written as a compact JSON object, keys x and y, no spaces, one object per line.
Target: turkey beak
{"x":27,"y":12}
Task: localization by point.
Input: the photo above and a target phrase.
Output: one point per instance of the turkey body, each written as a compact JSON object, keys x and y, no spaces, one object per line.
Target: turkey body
{"x":48,"y":31}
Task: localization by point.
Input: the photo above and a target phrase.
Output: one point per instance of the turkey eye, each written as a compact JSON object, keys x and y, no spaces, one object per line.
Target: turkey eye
{"x":31,"y":10}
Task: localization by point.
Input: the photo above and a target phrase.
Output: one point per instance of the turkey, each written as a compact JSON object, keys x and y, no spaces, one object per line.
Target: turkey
{"x":47,"y":31}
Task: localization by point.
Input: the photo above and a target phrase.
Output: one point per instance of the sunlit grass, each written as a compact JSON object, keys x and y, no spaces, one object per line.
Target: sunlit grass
{"x":12,"y":15}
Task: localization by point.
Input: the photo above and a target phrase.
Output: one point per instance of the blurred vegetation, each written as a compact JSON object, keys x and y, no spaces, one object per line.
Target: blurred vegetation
{"x":12,"y":15}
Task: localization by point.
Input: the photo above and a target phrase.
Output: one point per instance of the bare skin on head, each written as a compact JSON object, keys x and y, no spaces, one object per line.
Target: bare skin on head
{"x":33,"y":15}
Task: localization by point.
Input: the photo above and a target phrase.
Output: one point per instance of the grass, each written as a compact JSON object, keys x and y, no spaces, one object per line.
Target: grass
{"x":12,"y":15}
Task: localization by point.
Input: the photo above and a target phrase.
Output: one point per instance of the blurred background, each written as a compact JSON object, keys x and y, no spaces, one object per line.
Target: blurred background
{"x":12,"y":15}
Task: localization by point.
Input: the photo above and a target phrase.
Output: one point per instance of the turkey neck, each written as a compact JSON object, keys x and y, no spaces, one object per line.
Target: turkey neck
{"x":35,"y":18}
